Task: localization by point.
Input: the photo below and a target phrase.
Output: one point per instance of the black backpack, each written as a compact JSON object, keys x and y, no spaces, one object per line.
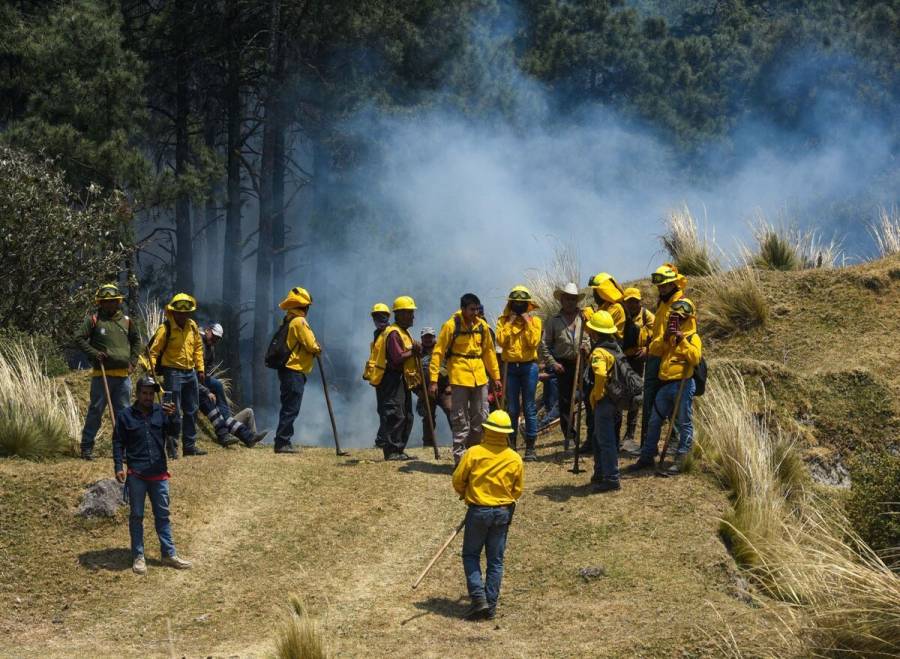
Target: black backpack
{"x":278,"y":352}
{"x":700,"y":375}
{"x":623,"y":384}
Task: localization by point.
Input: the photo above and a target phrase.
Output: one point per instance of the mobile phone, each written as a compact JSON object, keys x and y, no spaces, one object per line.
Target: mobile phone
{"x":168,"y":398}
{"x":674,"y":322}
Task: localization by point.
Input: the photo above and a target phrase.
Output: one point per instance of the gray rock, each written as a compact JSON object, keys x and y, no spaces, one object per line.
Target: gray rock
{"x":102,"y":499}
{"x":832,"y":473}
{"x":593,"y":572}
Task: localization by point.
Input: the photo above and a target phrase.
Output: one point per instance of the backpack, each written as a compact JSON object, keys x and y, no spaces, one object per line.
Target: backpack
{"x":278,"y":352}
{"x":623,"y":384}
{"x":459,"y":331}
{"x":700,"y":375}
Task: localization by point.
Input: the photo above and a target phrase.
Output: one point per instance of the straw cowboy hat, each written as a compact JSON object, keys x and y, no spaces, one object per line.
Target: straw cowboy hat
{"x":568,"y":289}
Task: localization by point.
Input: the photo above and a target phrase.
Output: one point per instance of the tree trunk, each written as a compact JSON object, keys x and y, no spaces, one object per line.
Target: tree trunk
{"x":231,"y":253}
{"x":262,"y":305}
{"x":213,"y":252}
{"x":278,"y":210}
{"x":184,"y":255}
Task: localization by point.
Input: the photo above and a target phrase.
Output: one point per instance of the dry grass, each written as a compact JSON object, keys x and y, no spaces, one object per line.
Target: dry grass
{"x":38,"y":415}
{"x":782,"y":248}
{"x":300,"y":636}
{"x":847,"y":601}
{"x":691,"y":252}
{"x":886,"y":231}
{"x":732,"y":301}
{"x":151,"y":315}
{"x":560,"y":270}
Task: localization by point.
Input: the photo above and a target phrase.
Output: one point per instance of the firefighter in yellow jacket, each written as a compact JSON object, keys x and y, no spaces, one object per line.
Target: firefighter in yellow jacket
{"x":602,"y":330}
{"x":395,"y":375}
{"x":679,"y":349}
{"x":491,"y":478}
{"x":519,"y":334}
{"x":176,"y":351}
{"x":292,"y":376}
{"x":635,"y":345}
{"x":466,"y":347}
{"x":670,"y":285}
{"x":381,"y":318}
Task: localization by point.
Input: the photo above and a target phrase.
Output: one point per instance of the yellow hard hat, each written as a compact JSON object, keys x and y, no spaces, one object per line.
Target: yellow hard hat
{"x":683,"y":308}
{"x":107,"y":292}
{"x":182,"y":302}
{"x":298,"y":297}
{"x":665,"y":274}
{"x":519,"y":294}
{"x":380,"y":307}
{"x":602,"y":321}
{"x":499,"y":421}
{"x":404,"y":303}
{"x":632,"y":294}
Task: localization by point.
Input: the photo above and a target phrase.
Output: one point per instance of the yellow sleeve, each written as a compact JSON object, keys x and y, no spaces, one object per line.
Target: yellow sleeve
{"x":503,"y":333}
{"x":489,"y":354}
{"x":308,"y":339}
{"x":461,"y":475}
{"x":618,"y":315}
{"x":519,"y":482}
{"x":691,"y":349}
{"x":199,"y":365}
{"x":440,"y":348}
{"x":600,"y":367}
{"x":156,"y":344}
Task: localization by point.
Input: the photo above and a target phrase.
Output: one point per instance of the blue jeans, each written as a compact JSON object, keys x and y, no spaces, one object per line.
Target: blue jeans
{"x":215,"y":386}
{"x":662,"y":410}
{"x":137,"y":490}
{"x":119,"y":392}
{"x":292,"y":385}
{"x":605,"y":442}
{"x":183,"y":385}
{"x":486,"y":527}
{"x":522,"y":379}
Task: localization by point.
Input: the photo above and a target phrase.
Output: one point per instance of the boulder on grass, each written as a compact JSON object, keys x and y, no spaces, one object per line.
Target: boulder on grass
{"x":101,"y":499}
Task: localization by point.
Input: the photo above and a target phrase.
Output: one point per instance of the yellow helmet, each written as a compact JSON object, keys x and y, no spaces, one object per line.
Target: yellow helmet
{"x":380,"y":307}
{"x":632,"y":294}
{"x":499,"y":421}
{"x":182,"y":302}
{"x":404,"y":303}
{"x":107,"y":292}
{"x":298,"y":297}
{"x":665,"y":274}
{"x":519,"y":294}
{"x":602,"y":321}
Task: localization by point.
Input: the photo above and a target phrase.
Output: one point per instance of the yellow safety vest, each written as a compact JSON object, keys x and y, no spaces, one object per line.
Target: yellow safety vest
{"x":372,"y":362}
{"x":410,"y":365}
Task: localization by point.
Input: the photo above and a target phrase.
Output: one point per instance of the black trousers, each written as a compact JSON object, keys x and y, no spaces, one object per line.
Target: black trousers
{"x":396,"y":415}
{"x":564,"y":383}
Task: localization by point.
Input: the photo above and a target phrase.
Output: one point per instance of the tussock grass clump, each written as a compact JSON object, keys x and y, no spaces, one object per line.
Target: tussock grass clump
{"x":151,"y":315}
{"x":38,"y":415}
{"x":886,"y":231}
{"x":689,"y":251}
{"x":561,"y":269}
{"x":733,"y":301}
{"x":780,"y":248}
{"x":300,"y":636}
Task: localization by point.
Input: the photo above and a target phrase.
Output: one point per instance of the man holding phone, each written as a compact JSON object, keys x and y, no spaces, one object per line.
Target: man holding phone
{"x":139,"y":443}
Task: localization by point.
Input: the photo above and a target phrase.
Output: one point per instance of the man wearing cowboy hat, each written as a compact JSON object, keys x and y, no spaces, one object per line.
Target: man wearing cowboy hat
{"x":107,"y":337}
{"x":561,"y":333}
{"x":176,"y":351}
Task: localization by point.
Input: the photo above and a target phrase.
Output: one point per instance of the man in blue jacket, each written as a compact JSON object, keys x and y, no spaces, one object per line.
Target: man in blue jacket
{"x":139,"y":442}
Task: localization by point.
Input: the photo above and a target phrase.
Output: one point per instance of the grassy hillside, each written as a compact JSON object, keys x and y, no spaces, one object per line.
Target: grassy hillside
{"x":349,"y":535}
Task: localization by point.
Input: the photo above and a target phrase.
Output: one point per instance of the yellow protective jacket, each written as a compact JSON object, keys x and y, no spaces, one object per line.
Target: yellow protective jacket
{"x":612,"y":297}
{"x":491,"y":473}
{"x":519,"y":337}
{"x":302,"y":343}
{"x":371,"y":367}
{"x":410,"y":364}
{"x":678,"y":360}
{"x":183,"y":345}
{"x":660,"y":321}
{"x":470,"y":358}
{"x":601,"y":361}
{"x":644,"y":323}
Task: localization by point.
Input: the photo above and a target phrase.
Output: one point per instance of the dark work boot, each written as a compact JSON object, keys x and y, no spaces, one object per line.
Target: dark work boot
{"x":256,"y":439}
{"x":172,"y":447}
{"x":479,"y":609}
{"x":530,"y":453}
{"x":641,"y":464}
{"x":285,"y":448}
{"x":87,"y":455}
{"x":193,"y":450}
{"x":226,"y":440}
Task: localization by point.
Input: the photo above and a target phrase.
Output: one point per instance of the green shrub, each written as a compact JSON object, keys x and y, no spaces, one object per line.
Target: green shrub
{"x":689,"y":251}
{"x":300,"y":636}
{"x":874,"y":503}
{"x":776,"y":252}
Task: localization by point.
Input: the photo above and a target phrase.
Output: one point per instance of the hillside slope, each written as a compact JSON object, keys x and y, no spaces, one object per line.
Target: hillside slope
{"x":350,"y":535}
